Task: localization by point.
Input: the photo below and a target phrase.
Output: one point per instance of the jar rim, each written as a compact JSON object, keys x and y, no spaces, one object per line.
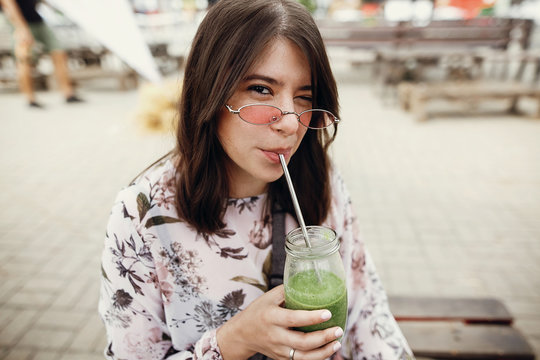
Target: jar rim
{"x":323,"y":242}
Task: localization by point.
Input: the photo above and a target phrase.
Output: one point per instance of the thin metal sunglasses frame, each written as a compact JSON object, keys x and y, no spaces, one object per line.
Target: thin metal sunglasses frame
{"x":283,"y":113}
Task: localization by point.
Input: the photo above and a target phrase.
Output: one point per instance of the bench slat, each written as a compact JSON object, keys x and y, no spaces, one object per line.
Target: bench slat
{"x":454,"y":340}
{"x":468,"y":310}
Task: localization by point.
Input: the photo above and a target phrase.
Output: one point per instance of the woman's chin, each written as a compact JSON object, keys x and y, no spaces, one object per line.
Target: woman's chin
{"x":274,"y":176}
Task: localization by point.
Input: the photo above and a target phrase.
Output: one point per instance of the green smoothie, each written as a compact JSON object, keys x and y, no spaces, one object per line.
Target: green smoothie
{"x":304,"y":291}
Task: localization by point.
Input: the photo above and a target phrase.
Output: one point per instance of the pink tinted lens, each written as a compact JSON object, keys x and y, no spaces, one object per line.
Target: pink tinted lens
{"x":260,"y":114}
{"x":316,"y":119}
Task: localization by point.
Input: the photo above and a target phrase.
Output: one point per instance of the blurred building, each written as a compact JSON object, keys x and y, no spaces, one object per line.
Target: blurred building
{"x":422,"y":10}
{"x":168,"y":27}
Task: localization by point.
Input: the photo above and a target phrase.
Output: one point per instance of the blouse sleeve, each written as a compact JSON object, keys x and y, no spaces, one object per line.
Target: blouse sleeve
{"x":131,"y":303}
{"x":372,"y":332}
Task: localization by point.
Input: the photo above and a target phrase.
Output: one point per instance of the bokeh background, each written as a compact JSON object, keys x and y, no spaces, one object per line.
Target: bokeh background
{"x":448,"y":194}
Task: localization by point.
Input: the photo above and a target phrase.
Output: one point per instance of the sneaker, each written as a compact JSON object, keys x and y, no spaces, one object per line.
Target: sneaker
{"x":35,"y":105}
{"x":74,"y":99}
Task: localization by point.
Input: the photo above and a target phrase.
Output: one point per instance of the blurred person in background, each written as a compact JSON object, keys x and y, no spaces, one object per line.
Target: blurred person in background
{"x":185,"y":264}
{"x":29,"y":29}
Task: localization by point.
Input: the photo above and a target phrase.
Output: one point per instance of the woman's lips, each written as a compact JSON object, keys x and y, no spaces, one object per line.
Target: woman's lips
{"x":273,"y":155}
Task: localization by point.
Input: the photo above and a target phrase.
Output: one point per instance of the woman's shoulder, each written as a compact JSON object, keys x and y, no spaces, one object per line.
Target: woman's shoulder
{"x":148,"y":201}
{"x":157,"y":183}
{"x":336,"y":180}
{"x":340,"y":198}
{"x":163,"y":168}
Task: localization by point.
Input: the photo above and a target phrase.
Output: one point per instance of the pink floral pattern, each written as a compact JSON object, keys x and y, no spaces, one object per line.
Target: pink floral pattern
{"x":166,"y":288}
{"x":145,"y":346}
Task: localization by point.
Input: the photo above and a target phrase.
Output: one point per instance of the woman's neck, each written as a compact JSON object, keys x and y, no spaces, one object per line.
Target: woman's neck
{"x":241,"y":191}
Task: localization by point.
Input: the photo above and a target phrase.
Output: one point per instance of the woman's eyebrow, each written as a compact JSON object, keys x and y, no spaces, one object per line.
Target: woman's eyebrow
{"x":272,"y":81}
{"x":262,"y":77}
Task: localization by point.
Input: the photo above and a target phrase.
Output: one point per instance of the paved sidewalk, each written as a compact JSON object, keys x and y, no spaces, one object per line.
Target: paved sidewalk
{"x":450,"y":206}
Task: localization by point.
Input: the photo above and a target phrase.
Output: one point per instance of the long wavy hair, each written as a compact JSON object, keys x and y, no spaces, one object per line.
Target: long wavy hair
{"x":227,"y":43}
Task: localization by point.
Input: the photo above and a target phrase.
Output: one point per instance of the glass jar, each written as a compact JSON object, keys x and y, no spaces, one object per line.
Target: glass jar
{"x":314,"y":277}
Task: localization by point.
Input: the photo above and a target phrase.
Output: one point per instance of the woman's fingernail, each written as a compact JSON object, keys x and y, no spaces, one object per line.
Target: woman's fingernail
{"x":338,"y":332}
{"x":337,"y":346}
{"x":325,"y":315}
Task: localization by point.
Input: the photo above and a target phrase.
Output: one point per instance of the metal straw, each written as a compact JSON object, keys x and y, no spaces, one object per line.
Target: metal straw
{"x":298,"y":211}
{"x":295,"y":200}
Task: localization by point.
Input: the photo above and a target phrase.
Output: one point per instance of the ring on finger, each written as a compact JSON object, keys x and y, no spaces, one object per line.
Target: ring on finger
{"x":291,"y":354}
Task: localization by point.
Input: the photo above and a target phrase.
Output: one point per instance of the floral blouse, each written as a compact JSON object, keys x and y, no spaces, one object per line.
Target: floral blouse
{"x":166,"y":288}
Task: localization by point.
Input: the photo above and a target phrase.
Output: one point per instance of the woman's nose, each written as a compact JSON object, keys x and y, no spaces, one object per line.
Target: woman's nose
{"x":288,"y":124}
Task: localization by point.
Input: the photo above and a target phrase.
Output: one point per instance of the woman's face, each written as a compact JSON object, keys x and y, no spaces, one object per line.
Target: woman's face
{"x":281,"y":77}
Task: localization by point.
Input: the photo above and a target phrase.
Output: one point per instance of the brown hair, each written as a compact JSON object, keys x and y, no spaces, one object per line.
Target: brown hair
{"x":227,"y":43}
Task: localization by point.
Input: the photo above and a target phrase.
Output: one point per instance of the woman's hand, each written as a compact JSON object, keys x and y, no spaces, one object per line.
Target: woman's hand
{"x":265,"y":327}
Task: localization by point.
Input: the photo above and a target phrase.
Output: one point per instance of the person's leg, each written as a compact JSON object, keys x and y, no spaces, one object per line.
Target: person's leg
{"x":61,"y":70}
{"x":24,"y":75}
{"x":60,"y":61}
{"x":22,"y":51}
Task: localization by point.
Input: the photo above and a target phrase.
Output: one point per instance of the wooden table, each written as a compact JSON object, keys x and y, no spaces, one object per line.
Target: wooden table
{"x":459,"y":328}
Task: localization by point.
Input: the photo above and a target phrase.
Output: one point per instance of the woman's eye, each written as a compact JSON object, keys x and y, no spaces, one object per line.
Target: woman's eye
{"x":305,"y":100}
{"x":260,"y":89}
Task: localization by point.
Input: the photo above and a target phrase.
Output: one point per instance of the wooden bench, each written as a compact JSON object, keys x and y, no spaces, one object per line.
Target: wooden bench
{"x":354,"y":35}
{"x":459,"y":328}
{"x":89,"y":67}
{"x":416,"y":96}
{"x":127,"y":78}
{"x":405,"y":51}
{"x":91,"y":64}
{"x":460,"y":34}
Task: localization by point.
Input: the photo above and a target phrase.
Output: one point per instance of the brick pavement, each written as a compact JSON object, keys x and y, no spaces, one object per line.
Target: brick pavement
{"x":447,"y":207}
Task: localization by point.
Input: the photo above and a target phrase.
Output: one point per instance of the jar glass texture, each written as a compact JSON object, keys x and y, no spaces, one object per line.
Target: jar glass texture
{"x":314,"y":277}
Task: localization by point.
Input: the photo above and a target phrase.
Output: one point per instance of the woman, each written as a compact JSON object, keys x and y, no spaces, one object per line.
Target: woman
{"x":184,"y":265}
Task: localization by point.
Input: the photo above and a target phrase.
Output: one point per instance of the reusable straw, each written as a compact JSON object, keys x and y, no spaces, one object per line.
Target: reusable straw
{"x":297,"y":210}
{"x":295,"y":200}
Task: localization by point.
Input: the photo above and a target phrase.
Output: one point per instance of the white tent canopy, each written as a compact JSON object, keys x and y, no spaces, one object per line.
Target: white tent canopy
{"x":112,"y":23}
